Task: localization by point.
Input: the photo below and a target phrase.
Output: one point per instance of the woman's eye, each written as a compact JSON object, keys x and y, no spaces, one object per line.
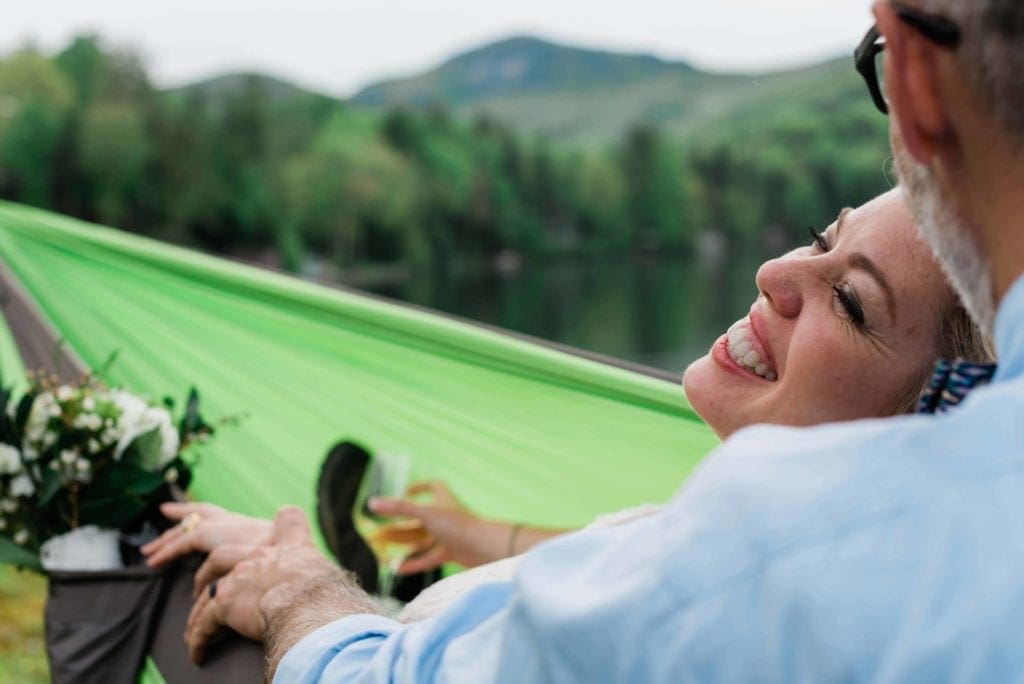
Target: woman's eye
{"x":819,"y":240}
{"x":847,"y":300}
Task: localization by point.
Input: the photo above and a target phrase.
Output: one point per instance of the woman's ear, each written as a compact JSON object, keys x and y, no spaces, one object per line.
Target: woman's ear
{"x":912,"y":84}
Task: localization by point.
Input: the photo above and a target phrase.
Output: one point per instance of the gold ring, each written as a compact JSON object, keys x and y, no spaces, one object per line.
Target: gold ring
{"x":189,"y":522}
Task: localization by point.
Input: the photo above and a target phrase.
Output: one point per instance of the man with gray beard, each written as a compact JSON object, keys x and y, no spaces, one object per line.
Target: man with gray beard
{"x":885,"y":550}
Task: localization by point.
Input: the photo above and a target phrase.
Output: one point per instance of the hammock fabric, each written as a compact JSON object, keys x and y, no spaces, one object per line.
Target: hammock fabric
{"x":518,"y":430}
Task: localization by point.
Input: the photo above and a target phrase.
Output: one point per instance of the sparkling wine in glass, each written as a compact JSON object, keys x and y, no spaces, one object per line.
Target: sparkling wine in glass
{"x":386,"y":476}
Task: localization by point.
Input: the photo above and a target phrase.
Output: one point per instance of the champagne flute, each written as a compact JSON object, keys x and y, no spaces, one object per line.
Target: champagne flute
{"x":386,"y":476}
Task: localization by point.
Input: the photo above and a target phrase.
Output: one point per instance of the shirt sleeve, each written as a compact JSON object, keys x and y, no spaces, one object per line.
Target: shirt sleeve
{"x":575,"y":627}
{"x":740,"y":578}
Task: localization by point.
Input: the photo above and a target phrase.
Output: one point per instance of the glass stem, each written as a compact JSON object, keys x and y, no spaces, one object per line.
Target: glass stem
{"x":386,"y":575}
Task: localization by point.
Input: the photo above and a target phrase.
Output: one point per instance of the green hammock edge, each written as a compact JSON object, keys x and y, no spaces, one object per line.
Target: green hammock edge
{"x":420,"y":329}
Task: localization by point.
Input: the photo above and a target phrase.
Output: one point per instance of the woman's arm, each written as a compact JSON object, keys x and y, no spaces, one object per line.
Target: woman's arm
{"x":448,"y":531}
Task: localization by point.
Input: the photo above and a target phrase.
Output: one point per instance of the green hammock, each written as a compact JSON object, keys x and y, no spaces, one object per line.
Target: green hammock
{"x":520,"y":431}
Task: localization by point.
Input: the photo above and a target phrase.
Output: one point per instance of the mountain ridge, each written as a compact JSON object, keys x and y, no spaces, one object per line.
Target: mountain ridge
{"x":579,"y":95}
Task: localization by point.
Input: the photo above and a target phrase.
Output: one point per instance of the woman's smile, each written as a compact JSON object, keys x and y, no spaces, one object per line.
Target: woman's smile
{"x":743,"y":349}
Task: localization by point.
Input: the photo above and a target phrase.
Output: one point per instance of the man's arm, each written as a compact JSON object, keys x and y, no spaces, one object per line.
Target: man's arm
{"x":326,"y":596}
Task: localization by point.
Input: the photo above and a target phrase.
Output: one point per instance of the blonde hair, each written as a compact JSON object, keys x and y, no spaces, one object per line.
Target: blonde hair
{"x":957,"y":338}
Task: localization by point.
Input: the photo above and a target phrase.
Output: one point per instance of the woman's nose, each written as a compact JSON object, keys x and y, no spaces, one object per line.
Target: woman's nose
{"x":781,"y":282}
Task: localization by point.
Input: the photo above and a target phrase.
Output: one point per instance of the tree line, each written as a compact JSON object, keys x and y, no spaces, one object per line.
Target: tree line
{"x":250,"y":166}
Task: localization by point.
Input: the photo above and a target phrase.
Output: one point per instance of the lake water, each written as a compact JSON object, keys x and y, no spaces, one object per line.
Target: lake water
{"x":662,"y":312}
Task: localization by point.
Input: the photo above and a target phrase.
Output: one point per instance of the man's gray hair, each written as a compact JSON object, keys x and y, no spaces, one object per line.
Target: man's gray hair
{"x":992,"y":52}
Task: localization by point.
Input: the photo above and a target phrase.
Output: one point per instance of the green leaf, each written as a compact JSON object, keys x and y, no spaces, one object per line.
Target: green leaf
{"x":49,"y":487}
{"x":119,"y":496}
{"x":12,"y":554}
{"x":144,"y":451}
{"x":21,"y":415}
{"x":192,"y":422}
{"x":5,"y":422}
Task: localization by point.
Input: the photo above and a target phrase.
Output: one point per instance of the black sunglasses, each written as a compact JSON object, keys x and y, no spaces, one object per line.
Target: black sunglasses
{"x":937,"y":29}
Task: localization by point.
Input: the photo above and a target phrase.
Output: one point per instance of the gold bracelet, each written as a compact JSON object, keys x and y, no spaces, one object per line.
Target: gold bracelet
{"x":513,"y":535}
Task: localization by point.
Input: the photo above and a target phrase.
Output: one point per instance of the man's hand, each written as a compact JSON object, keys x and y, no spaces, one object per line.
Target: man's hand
{"x":276,"y":593}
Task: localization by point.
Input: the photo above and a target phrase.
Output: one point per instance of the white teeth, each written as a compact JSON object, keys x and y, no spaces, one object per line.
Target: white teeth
{"x":742,"y":351}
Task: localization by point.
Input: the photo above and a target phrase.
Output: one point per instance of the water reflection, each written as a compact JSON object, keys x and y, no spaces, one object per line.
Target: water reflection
{"x":662,"y":312}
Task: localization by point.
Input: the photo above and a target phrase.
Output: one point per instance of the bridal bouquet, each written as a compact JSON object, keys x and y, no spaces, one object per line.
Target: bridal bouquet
{"x":80,"y":463}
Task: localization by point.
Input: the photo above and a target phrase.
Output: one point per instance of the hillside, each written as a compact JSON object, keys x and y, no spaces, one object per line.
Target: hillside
{"x":584,"y":96}
{"x":515,"y":66}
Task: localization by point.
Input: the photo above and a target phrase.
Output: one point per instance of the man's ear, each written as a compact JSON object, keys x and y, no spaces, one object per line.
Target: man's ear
{"x":912,"y":85}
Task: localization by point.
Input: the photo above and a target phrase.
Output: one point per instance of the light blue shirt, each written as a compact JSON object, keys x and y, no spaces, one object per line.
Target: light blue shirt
{"x":878,"y":551}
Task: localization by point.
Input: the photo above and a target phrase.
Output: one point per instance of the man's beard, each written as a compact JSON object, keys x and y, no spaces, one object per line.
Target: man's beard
{"x":950,"y":240}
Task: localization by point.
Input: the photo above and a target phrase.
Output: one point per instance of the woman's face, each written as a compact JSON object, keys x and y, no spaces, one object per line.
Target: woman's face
{"x":840,"y":330}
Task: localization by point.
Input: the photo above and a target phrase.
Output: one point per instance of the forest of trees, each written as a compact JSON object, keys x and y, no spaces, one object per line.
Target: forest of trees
{"x":262,"y":169}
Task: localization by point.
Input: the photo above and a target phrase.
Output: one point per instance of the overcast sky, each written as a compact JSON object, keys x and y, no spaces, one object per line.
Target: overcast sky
{"x":337,"y":46}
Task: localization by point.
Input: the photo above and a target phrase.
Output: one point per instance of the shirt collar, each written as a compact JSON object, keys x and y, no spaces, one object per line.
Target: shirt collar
{"x":1010,"y":333}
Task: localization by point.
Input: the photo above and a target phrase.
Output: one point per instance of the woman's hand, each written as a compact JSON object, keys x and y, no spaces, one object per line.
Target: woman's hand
{"x":212,"y":527}
{"x":440,"y":531}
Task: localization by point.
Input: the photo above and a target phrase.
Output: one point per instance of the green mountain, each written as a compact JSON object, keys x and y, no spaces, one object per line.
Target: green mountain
{"x":584,"y":96}
{"x":521,"y":65}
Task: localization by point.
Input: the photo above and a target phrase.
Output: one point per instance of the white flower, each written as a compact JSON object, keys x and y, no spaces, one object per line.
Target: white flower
{"x":89,"y":404}
{"x":94,"y":446}
{"x":29,"y":453}
{"x":171,"y":475}
{"x":169,"y":441}
{"x":21,"y":537}
{"x":88,"y":421}
{"x":39,"y":417}
{"x":10,"y":460}
{"x":136,"y":419}
{"x":8,"y":505}
{"x":84,"y":470}
{"x":68,"y":456}
{"x":3,"y":524}
{"x":49,"y":439}
{"x":22,"y":485}
{"x":65,"y":393}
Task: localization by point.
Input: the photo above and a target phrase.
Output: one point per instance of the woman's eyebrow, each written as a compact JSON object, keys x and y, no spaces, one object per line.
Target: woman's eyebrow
{"x":862,"y":263}
{"x":842,"y":217}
